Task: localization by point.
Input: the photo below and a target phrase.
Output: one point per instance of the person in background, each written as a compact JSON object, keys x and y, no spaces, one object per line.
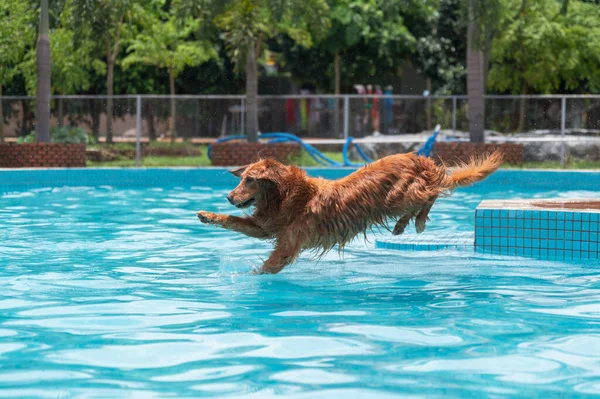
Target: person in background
{"x":375,"y":111}
{"x":388,"y":102}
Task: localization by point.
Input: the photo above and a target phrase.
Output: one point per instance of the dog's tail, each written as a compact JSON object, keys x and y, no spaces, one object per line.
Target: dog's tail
{"x":475,"y":170}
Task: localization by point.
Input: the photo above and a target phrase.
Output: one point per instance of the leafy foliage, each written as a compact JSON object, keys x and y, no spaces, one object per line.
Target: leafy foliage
{"x":441,"y":51}
{"x":538,"y":46}
{"x":165,"y":44}
{"x":245,"y":23}
{"x":373,"y":37}
{"x":542,"y":49}
{"x":72,"y":66}
{"x":17,"y":34}
{"x":100,"y":20}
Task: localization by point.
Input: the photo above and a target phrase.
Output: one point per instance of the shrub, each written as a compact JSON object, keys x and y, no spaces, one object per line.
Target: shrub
{"x":65,"y":134}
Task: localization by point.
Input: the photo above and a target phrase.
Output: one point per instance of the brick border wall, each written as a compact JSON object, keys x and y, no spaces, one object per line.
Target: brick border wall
{"x":241,"y":153}
{"x":42,"y":155}
{"x":455,"y":152}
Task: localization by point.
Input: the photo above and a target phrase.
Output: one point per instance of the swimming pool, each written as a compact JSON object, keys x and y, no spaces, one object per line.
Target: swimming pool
{"x":112,"y":288}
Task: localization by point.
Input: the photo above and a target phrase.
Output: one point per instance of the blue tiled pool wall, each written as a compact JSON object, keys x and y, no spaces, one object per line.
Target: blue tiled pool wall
{"x":19,"y":179}
{"x":539,"y":234}
{"x":428,"y":242}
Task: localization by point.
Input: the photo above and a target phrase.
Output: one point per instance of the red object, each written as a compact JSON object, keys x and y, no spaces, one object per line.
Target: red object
{"x":290,"y":112}
{"x":375,"y":111}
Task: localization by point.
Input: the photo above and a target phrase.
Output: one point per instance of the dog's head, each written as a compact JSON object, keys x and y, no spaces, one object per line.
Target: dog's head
{"x":257,"y":180}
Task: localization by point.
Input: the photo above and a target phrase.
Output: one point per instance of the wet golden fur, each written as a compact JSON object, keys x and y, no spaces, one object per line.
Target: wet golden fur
{"x":300,"y":213}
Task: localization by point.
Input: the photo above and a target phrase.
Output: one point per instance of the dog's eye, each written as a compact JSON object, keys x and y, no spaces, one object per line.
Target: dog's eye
{"x":250,"y":179}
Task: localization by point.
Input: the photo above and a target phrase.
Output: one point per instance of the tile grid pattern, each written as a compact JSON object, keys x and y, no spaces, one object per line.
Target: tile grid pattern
{"x":428,"y":242}
{"x":546,"y":234}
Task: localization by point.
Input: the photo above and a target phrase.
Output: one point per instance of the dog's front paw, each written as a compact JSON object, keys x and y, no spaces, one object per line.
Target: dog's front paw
{"x":256,"y":270}
{"x":206,"y":217}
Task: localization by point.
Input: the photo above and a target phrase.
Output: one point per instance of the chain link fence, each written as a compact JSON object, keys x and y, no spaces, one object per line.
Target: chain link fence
{"x":552,"y":128}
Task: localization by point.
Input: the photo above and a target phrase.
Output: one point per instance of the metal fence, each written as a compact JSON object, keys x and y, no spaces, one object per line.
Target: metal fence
{"x":565,"y":124}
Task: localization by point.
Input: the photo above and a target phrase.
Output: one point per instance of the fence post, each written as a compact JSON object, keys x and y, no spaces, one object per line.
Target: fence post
{"x":563,"y":123}
{"x":454,"y":115}
{"x":346,"y":116}
{"x":138,"y":130}
{"x":242,"y":115}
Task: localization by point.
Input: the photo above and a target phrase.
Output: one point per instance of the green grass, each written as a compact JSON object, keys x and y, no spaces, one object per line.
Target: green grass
{"x":202,"y":160}
{"x":154,"y":162}
{"x":306,"y":160}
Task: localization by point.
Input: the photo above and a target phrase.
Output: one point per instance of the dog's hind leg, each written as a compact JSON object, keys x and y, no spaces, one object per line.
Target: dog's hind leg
{"x":422,"y":218}
{"x":404,"y":221}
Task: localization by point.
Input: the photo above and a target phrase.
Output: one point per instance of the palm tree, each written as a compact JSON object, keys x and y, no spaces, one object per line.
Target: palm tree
{"x":42,"y":124}
{"x":475,"y":77}
{"x":248,"y":23}
{"x":165,"y":45}
{"x":484,"y":24}
{"x":104,"y":22}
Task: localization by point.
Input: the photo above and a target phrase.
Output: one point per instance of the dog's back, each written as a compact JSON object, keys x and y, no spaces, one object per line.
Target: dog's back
{"x":300,"y":212}
{"x":402,"y":187}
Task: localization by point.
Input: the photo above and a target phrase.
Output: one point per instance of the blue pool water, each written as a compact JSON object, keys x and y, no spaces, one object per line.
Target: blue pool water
{"x":112,"y":292}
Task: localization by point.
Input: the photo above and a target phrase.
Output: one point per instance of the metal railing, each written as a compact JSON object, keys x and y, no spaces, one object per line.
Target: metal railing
{"x":547,"y":119}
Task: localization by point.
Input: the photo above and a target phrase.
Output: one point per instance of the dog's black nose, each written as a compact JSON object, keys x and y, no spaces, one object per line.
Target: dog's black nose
{"x":230,"y":199}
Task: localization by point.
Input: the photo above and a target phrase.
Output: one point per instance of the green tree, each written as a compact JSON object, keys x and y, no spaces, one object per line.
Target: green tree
{"x":16,"y":34}
{"x":546,"y":47}
{"x":246,"y":24}
{"x":368,"y":40}
{"x":72,"y":66}
{"x":483,"y":18}
{"x":103,"y":22}
{"x":377,"y":23}
{"x":164,"y":44}
{"x":441,"y":49}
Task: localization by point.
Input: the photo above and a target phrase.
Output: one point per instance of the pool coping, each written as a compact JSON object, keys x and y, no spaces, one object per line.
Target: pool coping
{"x":305,"y":167}
{"x":23,"y":178}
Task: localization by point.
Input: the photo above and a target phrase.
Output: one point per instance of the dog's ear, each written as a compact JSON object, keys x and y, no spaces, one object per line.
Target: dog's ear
{"x":269,"y":170}
{"x":237,"y":172}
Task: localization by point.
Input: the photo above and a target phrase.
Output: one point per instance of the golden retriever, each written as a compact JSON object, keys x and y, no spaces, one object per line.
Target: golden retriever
{"x":300,"y":212}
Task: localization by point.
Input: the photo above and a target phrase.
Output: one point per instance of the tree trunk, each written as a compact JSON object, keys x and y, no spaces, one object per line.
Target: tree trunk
{"x":1,"y":117}
{"x":475,"y":87}
{"x":109,"y":100}
{"x":111,"y":59}
{"x":150,"y":120}
{"x":251,"y":95}
{"x":59,"y":121}
{"x":42,"y":124}
{"x":522,"y":110}
{"x":173,"y":115}
{"x":95,"y":112}
{"x":336,"y":67}
{"x":25,"y":118}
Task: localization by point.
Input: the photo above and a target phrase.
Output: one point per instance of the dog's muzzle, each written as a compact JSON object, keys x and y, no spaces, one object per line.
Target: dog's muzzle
{"x":245,"y":204}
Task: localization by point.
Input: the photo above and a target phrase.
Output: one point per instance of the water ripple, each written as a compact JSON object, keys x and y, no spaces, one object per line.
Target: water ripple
{"x":112,"y":293}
